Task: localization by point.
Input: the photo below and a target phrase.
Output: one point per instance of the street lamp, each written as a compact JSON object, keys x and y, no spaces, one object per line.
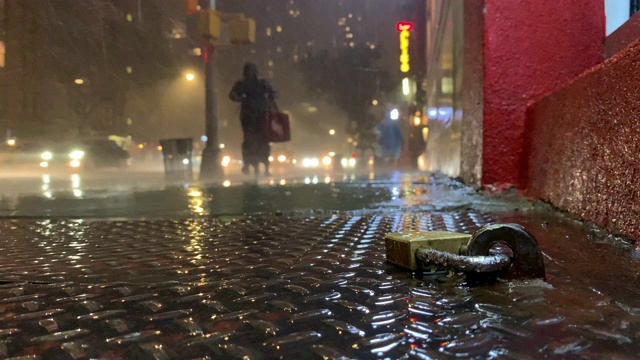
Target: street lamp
{"x":190,"y":77}
{"x":79,"y":81}
{"x":332,"y":132}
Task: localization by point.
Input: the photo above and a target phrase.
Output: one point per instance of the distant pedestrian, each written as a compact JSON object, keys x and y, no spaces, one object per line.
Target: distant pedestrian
{"x":255,"y":95}
{"x":389,"y":139}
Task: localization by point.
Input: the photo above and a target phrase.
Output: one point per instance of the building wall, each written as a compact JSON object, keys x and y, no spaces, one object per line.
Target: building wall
{"x":472,"y":100}
{"x":585,"y":145}
{"x":445,"y":86}
{"x":530,"y":49}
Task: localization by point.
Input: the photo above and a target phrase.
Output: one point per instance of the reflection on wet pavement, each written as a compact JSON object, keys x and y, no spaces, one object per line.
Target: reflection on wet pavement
{"x":287,"y":286}
{"x":295,"y":268}
{"x":139,"y":196}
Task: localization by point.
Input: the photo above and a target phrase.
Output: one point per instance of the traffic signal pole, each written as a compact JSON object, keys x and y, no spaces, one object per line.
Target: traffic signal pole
{"x":210,"y":168}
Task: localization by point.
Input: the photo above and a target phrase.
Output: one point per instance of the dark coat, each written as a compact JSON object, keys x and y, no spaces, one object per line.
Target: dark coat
{"x":255,"y":95}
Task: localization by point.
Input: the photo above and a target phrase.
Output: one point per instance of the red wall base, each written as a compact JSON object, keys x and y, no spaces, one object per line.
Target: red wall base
{"x":531,"y":48}
{"x":585,"y":145}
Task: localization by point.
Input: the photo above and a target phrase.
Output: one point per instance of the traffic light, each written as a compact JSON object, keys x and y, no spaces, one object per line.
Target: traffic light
{"x":209,"y":24}
{"x":191,"y":7}
{"x":242,"y":30}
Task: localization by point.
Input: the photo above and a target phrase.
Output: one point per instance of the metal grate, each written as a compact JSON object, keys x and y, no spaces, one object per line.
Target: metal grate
{"x":272,"y":287}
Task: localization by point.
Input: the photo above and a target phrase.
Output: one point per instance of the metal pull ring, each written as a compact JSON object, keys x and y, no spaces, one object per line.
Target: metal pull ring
{"x":526,"y":257}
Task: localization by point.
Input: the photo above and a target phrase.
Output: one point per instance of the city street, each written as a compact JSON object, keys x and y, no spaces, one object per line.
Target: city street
{"x":138,"y":269}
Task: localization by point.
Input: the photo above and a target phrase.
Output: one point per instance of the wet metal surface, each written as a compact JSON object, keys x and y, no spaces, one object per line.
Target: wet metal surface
{"x":279,"y":286}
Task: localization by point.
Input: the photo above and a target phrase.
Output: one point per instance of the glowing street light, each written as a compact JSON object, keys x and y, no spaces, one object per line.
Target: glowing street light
{"x":332,"y":132}
{"x":79,"y":81}
{"x":190,"y":77}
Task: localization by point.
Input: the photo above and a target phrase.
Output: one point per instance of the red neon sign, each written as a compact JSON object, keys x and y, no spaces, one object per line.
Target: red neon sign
{"x":404,"y":26}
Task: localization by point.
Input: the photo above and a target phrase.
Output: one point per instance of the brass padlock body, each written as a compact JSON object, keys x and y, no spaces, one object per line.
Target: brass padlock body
{"x":401,"y":247}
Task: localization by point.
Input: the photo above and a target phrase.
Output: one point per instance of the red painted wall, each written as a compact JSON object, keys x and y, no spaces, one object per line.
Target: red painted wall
{"x":585,"y":145}
{"x":531,"y":48}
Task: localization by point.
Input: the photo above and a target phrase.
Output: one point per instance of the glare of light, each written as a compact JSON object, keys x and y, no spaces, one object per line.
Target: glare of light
{"x":76,"y":154}
{"x":48,"y":194}
{"x":432,"y":113}
{"x":185,"y":161}
{"x":77,"y":192}
{"x":195,"y":193}
{"x":326,"y":160}
{"x":312,"y":109}
{"x":332,"y":132}
{"x":222,"y":146}
{"x":374,"y":102}
{"x":190,"y":77}
{"x":349,"y":140}
{"x":394,"y":114}
{"x":344,"y":162}
{"x":314,"y":162}
{"x":332,"y":154}
{"x":44,"y":164}
{"x":406,"y":90}
{"x":47,"y":155}
{"x":226,"y":160}
{"x":352,"y":162}
{"x":204,"y":138}
{"x":46,"y":179}
{"x":11,"y":142}
{"x":75,"y":181}
{"x":306,"y":162}
{"x":282,"y":158}
{"x":159,"y":148}
{"x":140,"y":146}
{"x":270,"y":158}
{"x":327,"y":179}
{"x":315,"y":180}
{"x":79,"y":81}
{"x":307,"y":180}
{"x":279,"y":28}
{"x":294,"y":161}
{"x":226,"y":183}
{"x":417,"y":121}
{"x":283,"y":182}
{"x":74,"y":164}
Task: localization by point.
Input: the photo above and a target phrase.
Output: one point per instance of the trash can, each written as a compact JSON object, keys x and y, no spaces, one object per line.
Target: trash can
{"x":178,"y":159}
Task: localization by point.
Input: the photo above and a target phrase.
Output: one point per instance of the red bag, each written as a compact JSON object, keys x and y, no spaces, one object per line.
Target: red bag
{"x":276,"y":126}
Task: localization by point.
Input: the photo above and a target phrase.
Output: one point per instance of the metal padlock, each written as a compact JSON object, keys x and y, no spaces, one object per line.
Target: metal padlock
{"x":505,"y":251}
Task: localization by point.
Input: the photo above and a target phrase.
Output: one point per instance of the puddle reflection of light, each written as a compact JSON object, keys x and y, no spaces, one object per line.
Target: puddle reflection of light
{"x":195,"y":193}
{"x":372,"y":176}
{"x":46,"y":179}
{"x":226,"y":183}
{"x":48,"y":194}
{"x":395,"y":191}
{"x":75,"y":181}
{"x":77,"y":192}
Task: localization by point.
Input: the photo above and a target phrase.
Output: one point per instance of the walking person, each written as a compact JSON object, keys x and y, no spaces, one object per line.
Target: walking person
{"x":389,"y":139}
{"x":255,"y":96}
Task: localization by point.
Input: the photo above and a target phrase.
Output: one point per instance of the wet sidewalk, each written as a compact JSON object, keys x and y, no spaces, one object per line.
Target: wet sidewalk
{"x":298,"y":271}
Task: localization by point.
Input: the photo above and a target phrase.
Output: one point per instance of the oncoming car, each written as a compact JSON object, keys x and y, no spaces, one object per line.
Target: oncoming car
{"x":87,"y":154}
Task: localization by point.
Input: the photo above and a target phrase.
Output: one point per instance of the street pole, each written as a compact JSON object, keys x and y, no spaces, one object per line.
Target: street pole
{"x":210,"y":168}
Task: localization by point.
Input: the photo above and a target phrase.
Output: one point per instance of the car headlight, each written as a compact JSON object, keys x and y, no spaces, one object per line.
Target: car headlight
{"x":46,"y":156}
{"x":76,"y":154}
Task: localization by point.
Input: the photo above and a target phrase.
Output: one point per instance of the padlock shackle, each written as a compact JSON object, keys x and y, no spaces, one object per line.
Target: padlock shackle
{"x":478,"y":264}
